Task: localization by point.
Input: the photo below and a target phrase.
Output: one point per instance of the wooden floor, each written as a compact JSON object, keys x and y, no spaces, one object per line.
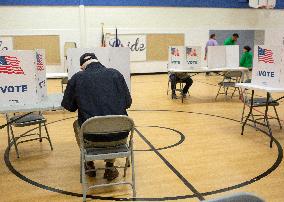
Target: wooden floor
{"x":199,"y":152}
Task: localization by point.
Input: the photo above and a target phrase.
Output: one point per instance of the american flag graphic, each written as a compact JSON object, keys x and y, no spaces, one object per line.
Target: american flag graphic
{"x":265,"y":55}
{"x":39,"y":62}
{"x":10,"y":65}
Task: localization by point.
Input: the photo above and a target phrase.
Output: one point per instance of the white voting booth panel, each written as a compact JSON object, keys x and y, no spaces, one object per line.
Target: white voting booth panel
{"x":184,"y":57}
{"x":268,"y":66}
{"x":41,"y":73}
{"x":223,"y":56}
{"x":117,"y":58}
{"x":19,"y":78}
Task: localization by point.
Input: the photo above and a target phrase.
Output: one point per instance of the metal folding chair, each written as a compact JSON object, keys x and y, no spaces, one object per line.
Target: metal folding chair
{"x":229,"y":81}
{"x":260,"y":102}
{"x":99,"y":125}
{"x":29,"y":120}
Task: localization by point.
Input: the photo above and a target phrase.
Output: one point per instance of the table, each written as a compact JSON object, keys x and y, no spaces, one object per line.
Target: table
{"x":198,"y":70}
{"x":51,"y":102}
{"x":268,"y":91}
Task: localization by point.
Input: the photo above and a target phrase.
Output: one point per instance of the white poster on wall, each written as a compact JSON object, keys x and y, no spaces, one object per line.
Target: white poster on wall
{"x":6,"y":43}
{"x":216,"y":57}
{"x":135,"y":42}
{"x":268,"y":66}
{"x":232,"y":56}
{"x":116,"y":58}
{"x":18,"y":78}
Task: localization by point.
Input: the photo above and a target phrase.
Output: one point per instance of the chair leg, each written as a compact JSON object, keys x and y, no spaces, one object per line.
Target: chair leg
{"x":218,"y":93}
{"x":233,"y":93}
{"x":243,"y":112}
{"x":84,"y":183}
{"x":14,"y":141}
{"x":39,"y":127}
{"x":133,"y":173}
{"x":48,"y":137}
{"x":168,"y":87}
{"x":126,"y":166}
{"x":277,"y":117}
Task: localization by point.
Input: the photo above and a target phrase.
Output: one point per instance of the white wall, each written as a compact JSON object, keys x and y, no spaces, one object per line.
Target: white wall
{"x":195,"y":23}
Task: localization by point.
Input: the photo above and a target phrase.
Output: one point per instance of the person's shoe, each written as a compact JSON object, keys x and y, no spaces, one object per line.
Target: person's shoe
{"x":90,"y":166}
{"x":174,"y":96}
{"x":111,"y":172}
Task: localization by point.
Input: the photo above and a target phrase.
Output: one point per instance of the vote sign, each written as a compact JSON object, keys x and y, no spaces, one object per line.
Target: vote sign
{"x":184,"y":57}
{"x":268,"y":66}
{"x":19,"y":78}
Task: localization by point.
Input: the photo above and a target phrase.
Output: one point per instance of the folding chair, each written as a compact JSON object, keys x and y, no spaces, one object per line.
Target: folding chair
{"x":29,"y":120}
{"x":64,"y":81}
{"x":229,"y":81}
{"x":103,"y":125}
{"x":239,"y":197}
{"x":260,"y":102}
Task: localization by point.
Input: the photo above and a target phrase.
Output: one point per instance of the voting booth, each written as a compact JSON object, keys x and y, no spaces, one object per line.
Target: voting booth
{"x":117,"y":58}
{"x":184,"y":57}
{"x":268,"y":66}
{"x":223,"y":56}
{"x":22,"y":77}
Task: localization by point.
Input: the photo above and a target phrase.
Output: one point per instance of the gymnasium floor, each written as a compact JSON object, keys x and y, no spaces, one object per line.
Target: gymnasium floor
{"x":184,"y":151}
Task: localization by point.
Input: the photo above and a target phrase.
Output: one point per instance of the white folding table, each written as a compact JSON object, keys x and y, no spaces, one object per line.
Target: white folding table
{"x":198,"y":70}
{"x":268,"y":91}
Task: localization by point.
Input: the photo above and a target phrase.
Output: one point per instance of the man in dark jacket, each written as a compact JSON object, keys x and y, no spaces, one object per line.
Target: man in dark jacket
{"x":97,"y":91}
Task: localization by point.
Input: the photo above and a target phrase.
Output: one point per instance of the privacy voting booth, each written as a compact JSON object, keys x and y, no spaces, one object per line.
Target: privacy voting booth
{"x":184,"y":57}
{"x":223,"y":56}
{"x":117,"y":58}
{"x":268,"y":66}
{"x":22,"y":77}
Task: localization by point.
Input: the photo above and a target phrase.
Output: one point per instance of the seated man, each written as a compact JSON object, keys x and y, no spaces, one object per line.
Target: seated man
{"x":97,"y":91}
{"x":180,"y":77}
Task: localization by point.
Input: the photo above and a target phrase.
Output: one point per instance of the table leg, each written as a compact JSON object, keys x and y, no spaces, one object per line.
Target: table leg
{"x":250,"y":112}
{"x":266,"y":118}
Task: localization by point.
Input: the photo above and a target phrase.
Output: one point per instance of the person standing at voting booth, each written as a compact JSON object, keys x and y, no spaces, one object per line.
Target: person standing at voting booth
{"x":246,"y":61}
{"x":97,"y":91}
{"x":231,"y":40}
{"x":247,"y":58}
{"x":211,"y":42}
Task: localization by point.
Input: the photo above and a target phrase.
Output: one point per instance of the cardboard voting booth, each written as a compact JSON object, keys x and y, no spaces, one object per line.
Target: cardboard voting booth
{"x":268,"y":66}
{"x":184,"y":57}
{"x":22,"y":77}
{"x":116,"y":58}
{"x":223,"y":56}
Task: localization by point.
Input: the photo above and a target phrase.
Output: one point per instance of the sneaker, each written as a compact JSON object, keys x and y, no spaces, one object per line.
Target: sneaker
{"x":90,"y":166}
{"x":174,"y":96}
{"x":111,"y":172}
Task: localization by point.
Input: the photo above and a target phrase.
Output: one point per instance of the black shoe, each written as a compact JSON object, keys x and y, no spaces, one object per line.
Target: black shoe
{"x":111,"y":172}
{"x":174,"y":96}
{"x":90,"y":166}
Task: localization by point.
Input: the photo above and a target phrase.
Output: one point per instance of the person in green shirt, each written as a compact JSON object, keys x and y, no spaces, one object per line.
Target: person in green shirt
{"x":246,"y":59}
{"x":231,"y":40}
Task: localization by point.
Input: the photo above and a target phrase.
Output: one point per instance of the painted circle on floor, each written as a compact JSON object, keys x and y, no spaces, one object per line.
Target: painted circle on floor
{"x":242,"y":184}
